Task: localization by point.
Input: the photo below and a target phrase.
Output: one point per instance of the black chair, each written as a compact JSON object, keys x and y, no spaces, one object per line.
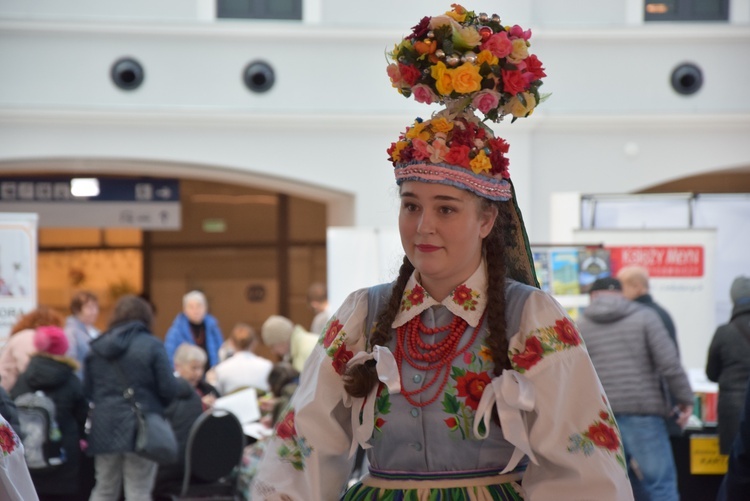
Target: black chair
{"x":213,"y":451}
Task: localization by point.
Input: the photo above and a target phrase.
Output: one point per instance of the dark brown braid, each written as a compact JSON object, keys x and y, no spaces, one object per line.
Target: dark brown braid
{"x":360,"y":378}
{"x":494,"y":251}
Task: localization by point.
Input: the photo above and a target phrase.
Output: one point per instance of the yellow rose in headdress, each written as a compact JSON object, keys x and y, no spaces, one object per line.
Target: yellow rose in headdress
{"x":418,"y":132}
{"x":488,"y":57}
{"x":396,"y":153}
{"x":466,"y":78}
{"x":480,"y":163}
{"x":442,"y":76}
{"x":440,"y":124}
{"x":520,"y":51}
{"x":458,"y":13}
{"x":517,"y":108}
{"x":465,"y":37}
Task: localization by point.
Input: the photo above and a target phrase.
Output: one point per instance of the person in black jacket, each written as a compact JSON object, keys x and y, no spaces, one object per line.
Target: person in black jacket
{"x":728,"y":362}
{"x":53,"y":373}
{"x":128,"y":343}
{"x":736,"y":483}
{"x":8,"y":411}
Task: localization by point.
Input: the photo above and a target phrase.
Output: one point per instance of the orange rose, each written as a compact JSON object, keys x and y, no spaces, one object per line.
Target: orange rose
{"x":466,"y":79}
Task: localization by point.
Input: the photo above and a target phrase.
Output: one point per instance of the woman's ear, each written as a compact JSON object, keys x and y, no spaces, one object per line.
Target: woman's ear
{"x":487,"y":219}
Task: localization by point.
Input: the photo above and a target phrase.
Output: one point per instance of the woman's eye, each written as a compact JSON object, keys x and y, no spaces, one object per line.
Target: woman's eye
{"x":409,"y":207}
{"x":447,"y":210}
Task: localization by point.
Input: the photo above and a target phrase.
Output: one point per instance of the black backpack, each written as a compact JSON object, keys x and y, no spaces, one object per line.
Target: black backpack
{"x":40,"y":435}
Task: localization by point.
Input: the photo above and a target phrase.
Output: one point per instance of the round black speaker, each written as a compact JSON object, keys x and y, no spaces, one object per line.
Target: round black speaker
{"x":687,"y":79}
{"x":259,"y":76}
{"x":127,"y":73}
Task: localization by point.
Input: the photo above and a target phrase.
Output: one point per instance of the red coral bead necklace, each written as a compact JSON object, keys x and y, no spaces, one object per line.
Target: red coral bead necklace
{"x":424,"y":356}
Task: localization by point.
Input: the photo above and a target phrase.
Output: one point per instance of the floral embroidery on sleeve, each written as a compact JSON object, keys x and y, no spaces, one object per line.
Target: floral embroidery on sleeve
{"x":8,"y":439}
{"x":412,"y":297}
{"x":466,"y":297}
{"x":294,"y":448}
{"x":545,"y":341}
{"x":601,"y":433}
{"x":334,"y":342}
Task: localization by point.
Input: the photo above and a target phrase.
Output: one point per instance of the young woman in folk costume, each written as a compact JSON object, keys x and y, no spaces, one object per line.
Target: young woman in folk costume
{"x":461,"y":379}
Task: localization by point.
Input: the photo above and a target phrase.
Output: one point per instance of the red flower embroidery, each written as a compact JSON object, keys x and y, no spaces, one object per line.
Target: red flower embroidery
{"x":567,"y":332}
{"x":340,"y":359}
{"x":604,"y":415}
{"x":461,"y":294}
{"x":451,"y":422}
{"x":379,"y":422}
{"x":333,"y":330}
{"x":471,"y":385}
{"x":7,"y":439}
{"x":416,"y":296}
{"x":285,"y":429}
{"x":531,"y":355}
{"x":604,"y":436}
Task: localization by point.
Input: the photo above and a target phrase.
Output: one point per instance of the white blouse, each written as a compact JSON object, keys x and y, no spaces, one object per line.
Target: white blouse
{"x":555,"y":419}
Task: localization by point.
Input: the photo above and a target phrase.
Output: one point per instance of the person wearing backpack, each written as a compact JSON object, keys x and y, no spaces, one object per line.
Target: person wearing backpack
{"x":127,"y":350}
{"x":49,"y":383}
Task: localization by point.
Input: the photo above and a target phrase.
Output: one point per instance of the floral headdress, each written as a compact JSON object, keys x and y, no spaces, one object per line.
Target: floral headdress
{"x":465,"y":60}
{"x":455,"y":149}
{"x":469,"y":63}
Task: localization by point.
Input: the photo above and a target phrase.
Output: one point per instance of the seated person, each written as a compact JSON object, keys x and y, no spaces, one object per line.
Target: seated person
{"x":290,"y":342}
{"x":189,"y":364}
{"x":244,"y":369}
{"x":181,"y":414}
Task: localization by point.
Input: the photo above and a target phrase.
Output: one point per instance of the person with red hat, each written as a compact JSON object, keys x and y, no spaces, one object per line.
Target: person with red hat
{"x":51,"y":371}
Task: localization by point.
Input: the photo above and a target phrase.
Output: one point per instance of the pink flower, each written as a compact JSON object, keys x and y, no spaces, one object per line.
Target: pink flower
{"x":439,"y":150}
{"x":498,"y":44}
{"x":394,"y":74}
{"x":518,"y":32}
{"x":485,"y":101}
{"x":423,"y":94}
{"x":421,"y":149}
{"x":467,"y":357}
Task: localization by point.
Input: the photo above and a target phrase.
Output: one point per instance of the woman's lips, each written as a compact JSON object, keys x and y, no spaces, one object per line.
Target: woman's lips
{"x":427,"y":248}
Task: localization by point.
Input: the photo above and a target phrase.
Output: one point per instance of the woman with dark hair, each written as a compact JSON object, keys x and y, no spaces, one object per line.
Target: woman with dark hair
{"x":15,"y":355}
{"x":142,"y":360}
{"x":461,"y":379}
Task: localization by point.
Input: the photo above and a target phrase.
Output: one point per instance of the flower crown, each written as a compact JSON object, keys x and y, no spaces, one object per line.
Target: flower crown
{"x":453,"y":148}
{"x":465,"y":60}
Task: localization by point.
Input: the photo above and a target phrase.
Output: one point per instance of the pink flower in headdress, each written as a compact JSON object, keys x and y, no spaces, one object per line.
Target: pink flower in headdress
{"x":518,"y":32}
{"x":395,"y":75}
{"x":498,"y":44}
{"x":421,"y":149}
{"x":439,"y":150}
{"x":486,"y":100}
{"x":423,"y":94}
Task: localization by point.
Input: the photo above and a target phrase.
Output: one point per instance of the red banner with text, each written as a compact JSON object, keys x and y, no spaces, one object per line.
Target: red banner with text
{"x":660,"y":260}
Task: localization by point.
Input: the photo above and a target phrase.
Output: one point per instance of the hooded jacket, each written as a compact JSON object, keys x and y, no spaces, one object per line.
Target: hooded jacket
{"x":55,"y":376}
{"x":728,"y":363}
{"x":631,"y":350}
{"x":146,"y":367}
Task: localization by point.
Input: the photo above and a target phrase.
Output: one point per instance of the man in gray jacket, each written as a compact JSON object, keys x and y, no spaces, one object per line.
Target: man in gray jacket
{"x":631,"y":350}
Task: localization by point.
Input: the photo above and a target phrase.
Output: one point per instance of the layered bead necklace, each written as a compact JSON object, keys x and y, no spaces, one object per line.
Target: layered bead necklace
{"x":429,"y":357}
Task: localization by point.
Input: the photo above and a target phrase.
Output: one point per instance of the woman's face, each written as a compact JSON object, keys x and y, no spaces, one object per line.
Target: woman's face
{"x":195,"y":310}
{"x":89,"y":312}
{"x":442,"y":228}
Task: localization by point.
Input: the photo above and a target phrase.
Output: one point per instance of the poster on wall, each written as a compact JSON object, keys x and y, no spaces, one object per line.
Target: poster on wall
{"x":681,"y":268}
{"x":18,"y":250}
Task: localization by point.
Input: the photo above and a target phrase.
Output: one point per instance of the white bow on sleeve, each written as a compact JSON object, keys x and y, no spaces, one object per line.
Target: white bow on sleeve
{"x":512,"y":393}
{"x":387,"y":369}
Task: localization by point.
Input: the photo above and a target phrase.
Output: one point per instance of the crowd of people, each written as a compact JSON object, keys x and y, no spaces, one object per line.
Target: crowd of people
{"x":82,"y":375}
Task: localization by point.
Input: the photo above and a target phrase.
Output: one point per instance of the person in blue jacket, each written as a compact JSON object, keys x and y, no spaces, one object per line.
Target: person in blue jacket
{"x":196,"y":326}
